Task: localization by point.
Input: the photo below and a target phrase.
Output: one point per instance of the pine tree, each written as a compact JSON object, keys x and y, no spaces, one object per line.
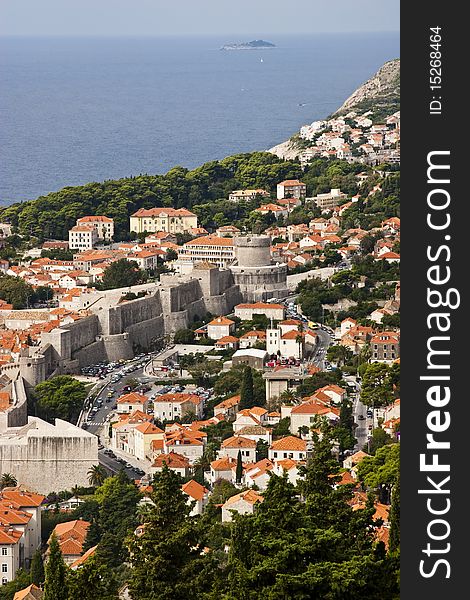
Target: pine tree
{"x":37,"y":569}
{"x":239,"y":470}
{"x":163,"y":554}
{"x":247,"y":394}
{"x":55,"y":586}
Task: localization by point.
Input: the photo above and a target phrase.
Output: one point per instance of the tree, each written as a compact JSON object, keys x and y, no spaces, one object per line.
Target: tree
{"x":122,"y":273}
{"x":55,"y":586}
{"x":344,"y":431}
{"x":15,"y":291}
{"x":96,"y":475}
{"x":394,"y":539}
{"x":239,"y":469}
{"x":184,"y":336}
{"x":247,"y":398}
{"x":163,"y":554}
{"x":60,"y":397}
{"x":8,"y":480}
{"x":377,"y":386}
{"x":92,"y":581}
{"x":378,"y":439}
{"x":36,"y":572}
{"x":262,"y":448}
{"x":203,"y":370}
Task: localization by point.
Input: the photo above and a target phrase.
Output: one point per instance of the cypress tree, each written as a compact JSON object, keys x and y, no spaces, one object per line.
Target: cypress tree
{"x":55,"y":587}
{"x":37,"y":569}
{"x":239,"y":470}
{"x":247,"y":394}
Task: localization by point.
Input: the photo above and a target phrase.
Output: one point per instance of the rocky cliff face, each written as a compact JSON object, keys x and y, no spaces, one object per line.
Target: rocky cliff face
{"x":384,"y":86}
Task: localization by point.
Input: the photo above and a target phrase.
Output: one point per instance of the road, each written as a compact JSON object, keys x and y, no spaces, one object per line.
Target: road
{"x":319,"y":353}
{"x":360,"y":416}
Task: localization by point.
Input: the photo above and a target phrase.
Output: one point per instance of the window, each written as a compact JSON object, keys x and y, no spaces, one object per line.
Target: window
{"x":4,"y":568}
{"x":4,"y":580}
{"x":4,"y":551}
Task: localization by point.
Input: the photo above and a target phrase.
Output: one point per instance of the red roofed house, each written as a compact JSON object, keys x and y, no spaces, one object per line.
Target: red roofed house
{"x":292,"y":188}
{"x":174,"y":461}
{"x":228,"y":408}
{"x":251,"y":338}
{"x":104,"y":226}
{"x":71,"y":536}
{"x":170,"y":406}
{"x":220,"y":327}
{"x":222,"y":468}
{"x":305,"y":414}
{"x":288,"y":447}
{"x":144,"y":435}
{"x":163,"y":219}
{"x":131,"y":402}
{"x":197,"y":494}
{"x":243,"y":503}
{"x":235,"y":444}
{"x":385,"y":346}
{"x":32,"y":592}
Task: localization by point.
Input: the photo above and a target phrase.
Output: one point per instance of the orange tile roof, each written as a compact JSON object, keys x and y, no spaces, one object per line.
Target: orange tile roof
{"x":32,"y":591}
{"x":238,"y":442}
{"x":84,"y":557}
{"x":263,"y":305}
{"x":22,"y":498}
{"x":229,"y":403}
{"x":132,"y":398}
{"x":250,"y":496}
{"x":172,"y":460}
{"x":148,"y":428}
{"x":9,"y":536}
{"x":178,"y":398}
{"x":289,"y":443}
{"x":194,"y":489}
{"x":210,"y":240}
{"x":223,"y":464}
{"x":221,"y":321}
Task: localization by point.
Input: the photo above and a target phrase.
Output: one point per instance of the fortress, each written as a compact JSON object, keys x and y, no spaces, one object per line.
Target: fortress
{"x":46,"y":457}
{"x":116,"y":327}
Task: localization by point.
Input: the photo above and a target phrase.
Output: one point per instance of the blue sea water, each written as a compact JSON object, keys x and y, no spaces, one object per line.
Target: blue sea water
{"x":74,"y":110}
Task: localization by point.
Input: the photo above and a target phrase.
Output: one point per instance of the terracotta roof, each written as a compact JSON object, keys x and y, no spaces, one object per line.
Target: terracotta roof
{"x":263,"y":305}
{"x":289,"y":443}
{"x":227,"y":339}
{"x":194,"y":489}
{"x":210,"y":240}
{"x":238,"y":441}
{"x":22,"y":498}
{"x":28,"y":593}
{"x":95,"y":218}
{"x":149,"y":428}
{"x":172,"y":460}
{"x":223,"y":464}
{"x":221,"y":321}
{"x":250,"y":496}
{"x":229,"y":403}
{"x":291,"y":182}
{"x":9,"y":536}
{"x":178,"y":398}
{"x":132,"y":398}
{"x":158,"y":212}
{"x":84,"y":557}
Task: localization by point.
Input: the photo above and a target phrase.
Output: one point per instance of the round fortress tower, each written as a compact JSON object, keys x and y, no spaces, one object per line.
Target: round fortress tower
{"x":253,"y":250}
{"x":254,"y":272}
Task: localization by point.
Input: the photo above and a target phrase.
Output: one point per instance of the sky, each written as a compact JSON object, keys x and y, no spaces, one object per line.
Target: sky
{"x":195,"y":17}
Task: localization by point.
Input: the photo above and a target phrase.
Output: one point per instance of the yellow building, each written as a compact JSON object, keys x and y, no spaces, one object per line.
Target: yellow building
{"x":171,"y":220}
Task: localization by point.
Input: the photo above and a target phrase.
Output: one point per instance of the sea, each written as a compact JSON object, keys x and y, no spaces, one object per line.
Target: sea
{"x":75,"y":109}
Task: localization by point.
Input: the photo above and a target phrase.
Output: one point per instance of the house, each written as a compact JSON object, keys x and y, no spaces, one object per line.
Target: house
{"x":248,"y":417}
{"x":227,"y":231}
{"x":104,"y":226}
{"x":197,"y":494}
{"x":291,"y":188}
{"x":174,"y":461}
{"x":258,"y":474}
{"x":336,"y":393}
{"x":238,"y":195}
{"x":354,"y":459}
{"x":83,"y":558}
{"x":246,"y":312}
{"x":385,"y":347}
{"x":258,"y":433}
{"x":132,"y":402}
{"x":228,"y":408}
{"x":275,"y":209}
{"x":222,"y":468}
{"x":287,"y":342}
{"x":171,"y":220}
{"x":228,"y":342}
{"x":304,"y":415}
{"x":329,"y":200}
{"x":185,"y":443}
{"x":144,"y":435}
{"x":220,"y":327}
{"x":242,"y":504}
{"x":82,"y":237}
{"x":71,"y":537}
{"x":289,"y":466}
{"x":11,"y":553}
{"x":288,"y":447}
{"x":235,"y":444}
{"x":172,"y":406}
{"x":251,"y":338}
{"x":32,"y":592}
{"x":122,"y":436}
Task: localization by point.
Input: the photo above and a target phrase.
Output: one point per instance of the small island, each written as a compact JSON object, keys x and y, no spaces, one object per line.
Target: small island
{"x":253,"y":45}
